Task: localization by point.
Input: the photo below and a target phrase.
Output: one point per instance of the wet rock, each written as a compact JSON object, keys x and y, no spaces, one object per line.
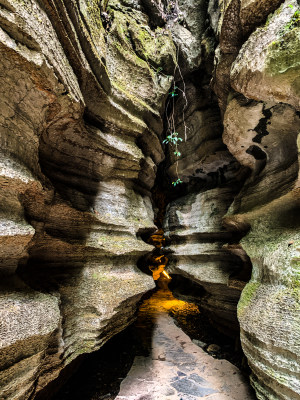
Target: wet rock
{"x":199,"y":343}
{"x":187,"y":373}
{"x":213,"y":348}
{"x":188,"y":387}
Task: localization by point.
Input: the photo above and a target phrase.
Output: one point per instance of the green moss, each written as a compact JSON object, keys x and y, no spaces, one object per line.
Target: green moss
{"x":283,"y":53}
{"x":126,"y":50}
{"x":125,"y":90}
{"x":268,"y":20}
{"x":295,"y":286}
{"x":156,"y":48}
{"x":270,"y":16}
{"x":247,"y":295}
{"x":91,"y":12}
{"x":99,"y":276}
{"x":104,"y":238}
{"x":293,"y":23}
{"x":104,"y":5}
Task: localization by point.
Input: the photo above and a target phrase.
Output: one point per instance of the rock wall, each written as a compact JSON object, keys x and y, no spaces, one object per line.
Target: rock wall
{"x":266,"y":73}
{"x":86,"y":101}
{"x":81,"y":104}
{"x":217,"y":244}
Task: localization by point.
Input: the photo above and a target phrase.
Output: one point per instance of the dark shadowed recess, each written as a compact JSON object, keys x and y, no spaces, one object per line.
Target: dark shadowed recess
{"x":98,"y":375}
{"x":200,"y":327}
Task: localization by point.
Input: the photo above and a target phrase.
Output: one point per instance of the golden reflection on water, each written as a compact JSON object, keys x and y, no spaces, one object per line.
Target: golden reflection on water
{"x":159,"y":262}
{"x":161,"y":303}
{"x":164,"y":301}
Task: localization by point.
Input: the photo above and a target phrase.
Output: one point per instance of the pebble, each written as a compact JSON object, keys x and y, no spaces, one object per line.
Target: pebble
{"x":213,"y":348}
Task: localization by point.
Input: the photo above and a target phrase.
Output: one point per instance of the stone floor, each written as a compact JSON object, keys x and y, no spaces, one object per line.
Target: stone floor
{"x":173,"y":367}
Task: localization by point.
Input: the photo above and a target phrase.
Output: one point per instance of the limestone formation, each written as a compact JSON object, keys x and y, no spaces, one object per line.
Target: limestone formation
{"x":74,"y":183}
{"x":194,"y":227}
{"x":255,"y":79}
{"x":267,"y":66}
{"x":89,"y":91}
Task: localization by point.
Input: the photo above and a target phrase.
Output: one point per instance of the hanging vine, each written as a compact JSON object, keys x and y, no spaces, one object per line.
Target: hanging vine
{"x":173,"y":138}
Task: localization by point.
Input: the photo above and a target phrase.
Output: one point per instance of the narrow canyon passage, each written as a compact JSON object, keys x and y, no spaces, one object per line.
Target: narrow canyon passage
{"x":122,"y":120}
{"x":176,"y":368}
{"x":165,"y":362}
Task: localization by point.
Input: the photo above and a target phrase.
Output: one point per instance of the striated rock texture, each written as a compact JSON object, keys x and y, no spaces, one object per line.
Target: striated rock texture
{"x":194,"y":227}
{"x":267,"y":125}
{"x":89,"y":91}
{"x":81,"y":104}
{"x":211,"y":177}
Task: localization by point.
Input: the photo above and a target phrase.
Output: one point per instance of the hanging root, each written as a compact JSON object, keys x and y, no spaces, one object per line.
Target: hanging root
{"x":172,"y":136}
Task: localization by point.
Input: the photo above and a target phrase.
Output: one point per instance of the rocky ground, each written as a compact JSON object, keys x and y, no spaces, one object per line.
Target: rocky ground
{"x":176,"y":368}
{"x":160,"y":360}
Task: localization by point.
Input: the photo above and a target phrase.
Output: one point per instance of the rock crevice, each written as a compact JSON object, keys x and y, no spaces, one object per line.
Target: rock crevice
{"x":84,"y":109}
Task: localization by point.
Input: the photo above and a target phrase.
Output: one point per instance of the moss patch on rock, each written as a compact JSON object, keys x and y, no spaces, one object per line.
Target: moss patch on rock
{"x":247,"y":295}
{"x":284,"y":54}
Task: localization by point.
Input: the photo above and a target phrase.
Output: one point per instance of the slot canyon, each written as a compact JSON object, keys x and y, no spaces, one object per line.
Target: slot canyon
{"x":150,"y":199}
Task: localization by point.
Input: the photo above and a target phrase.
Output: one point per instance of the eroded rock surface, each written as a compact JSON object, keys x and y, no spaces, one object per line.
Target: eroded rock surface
{"x":255,"y":78}
{"x":74,"y":183}
{"x":194,"y":227}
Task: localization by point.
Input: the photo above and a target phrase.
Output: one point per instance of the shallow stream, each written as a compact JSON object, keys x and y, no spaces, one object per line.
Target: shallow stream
{"x":101,"y":373}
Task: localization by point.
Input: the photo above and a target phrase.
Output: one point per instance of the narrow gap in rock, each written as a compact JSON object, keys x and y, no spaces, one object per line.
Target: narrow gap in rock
{"x":164,"y":345}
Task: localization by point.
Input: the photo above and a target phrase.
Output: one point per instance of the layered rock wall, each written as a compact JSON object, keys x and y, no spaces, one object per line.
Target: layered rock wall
{"x":81,"y":105}
{"x":266,"y":72}
{"x":86,"y":101}
{"x":255,"y":78}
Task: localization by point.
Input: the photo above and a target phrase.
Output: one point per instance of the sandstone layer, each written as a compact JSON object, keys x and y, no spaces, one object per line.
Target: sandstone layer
{"x":79,"y":149}
{"x":255,"y":78}
{"x":89,"y":92}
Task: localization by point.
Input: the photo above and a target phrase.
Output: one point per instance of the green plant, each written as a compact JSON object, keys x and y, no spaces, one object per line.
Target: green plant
{"x":173,"y":137}
{"x":173,"y":93}
{"x":174,"y":183}
{"x":158,"y":71}
{"x":293,"y":23}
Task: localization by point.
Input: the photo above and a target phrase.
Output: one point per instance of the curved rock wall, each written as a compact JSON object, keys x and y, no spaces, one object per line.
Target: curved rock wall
{"x":266,"y":72}
{"x":194,"y":228}
{"x":81,"y":104}
{"x":85,"y":105}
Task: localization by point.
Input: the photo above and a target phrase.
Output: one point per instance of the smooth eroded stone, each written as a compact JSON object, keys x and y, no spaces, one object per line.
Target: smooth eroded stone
{"x":267,"y":66}
{"x":263,"y":137}
{"x":191,"y":223}
{"x":29,"y":320}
